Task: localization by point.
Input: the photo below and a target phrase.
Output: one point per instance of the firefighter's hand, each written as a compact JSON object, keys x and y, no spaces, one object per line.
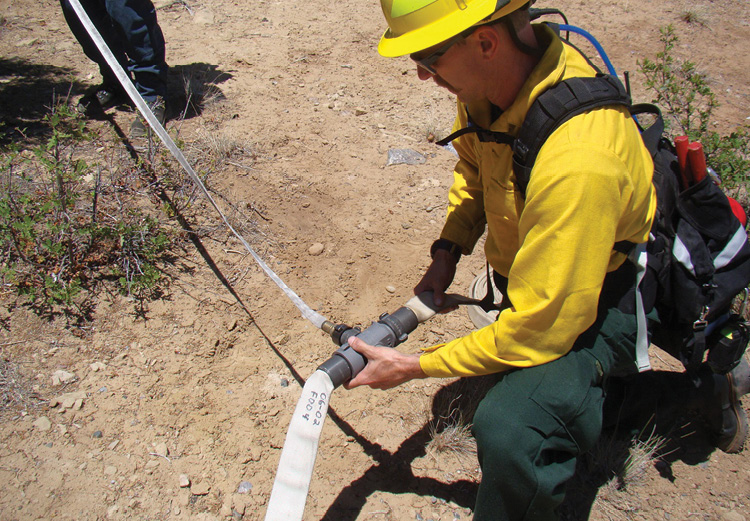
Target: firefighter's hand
{"x":385,"y":367}
{"x":438,"y":278}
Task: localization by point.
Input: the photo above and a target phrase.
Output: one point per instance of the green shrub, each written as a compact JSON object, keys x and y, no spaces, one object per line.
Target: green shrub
{"x":688,"y":104}
{"x":63,"y":230}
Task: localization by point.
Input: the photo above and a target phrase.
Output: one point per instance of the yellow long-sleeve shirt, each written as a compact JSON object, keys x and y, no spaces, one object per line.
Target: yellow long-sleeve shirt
{"x":590,"y":188}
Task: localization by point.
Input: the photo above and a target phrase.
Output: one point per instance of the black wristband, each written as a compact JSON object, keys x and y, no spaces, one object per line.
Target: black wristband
{"x":444,"y":244}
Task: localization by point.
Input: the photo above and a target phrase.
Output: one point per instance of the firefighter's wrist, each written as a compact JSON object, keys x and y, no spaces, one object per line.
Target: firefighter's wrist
{"x":448,"y":246}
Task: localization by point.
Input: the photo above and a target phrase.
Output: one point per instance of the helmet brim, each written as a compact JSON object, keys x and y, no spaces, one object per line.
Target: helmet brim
{"x":392,"y":46}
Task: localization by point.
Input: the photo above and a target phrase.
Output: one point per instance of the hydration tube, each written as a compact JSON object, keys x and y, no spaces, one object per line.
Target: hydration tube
{"x":292,"y":483}
{"x":307,"y":312}
{"x":594,"y":42}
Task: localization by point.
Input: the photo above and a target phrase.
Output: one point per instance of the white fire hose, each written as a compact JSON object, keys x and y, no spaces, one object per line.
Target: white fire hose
{"x":294,"y":473}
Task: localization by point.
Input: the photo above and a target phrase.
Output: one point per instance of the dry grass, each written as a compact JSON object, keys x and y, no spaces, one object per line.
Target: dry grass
{"x":16,"y":393}
{"x":643,"y":455}
{"x":619,"y":498}
{"x":452,"y":412}
{"x":453,"y":439}
{"x":692,"y":17}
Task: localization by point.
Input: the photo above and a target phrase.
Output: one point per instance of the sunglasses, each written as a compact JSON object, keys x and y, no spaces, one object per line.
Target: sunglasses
{"x":427,"y":62}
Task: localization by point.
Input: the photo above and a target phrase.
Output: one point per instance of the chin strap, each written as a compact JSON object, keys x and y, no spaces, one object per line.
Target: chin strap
{"x":522,"y":46}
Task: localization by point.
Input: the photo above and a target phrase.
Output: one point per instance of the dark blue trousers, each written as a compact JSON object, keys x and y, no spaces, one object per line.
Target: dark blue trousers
{"x":130,"y":30}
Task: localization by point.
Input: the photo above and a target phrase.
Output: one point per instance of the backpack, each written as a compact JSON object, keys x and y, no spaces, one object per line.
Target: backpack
{"x":697,"y":259}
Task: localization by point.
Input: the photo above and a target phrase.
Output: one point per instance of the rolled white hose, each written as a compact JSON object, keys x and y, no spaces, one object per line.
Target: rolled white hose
{"x":289,"y":493}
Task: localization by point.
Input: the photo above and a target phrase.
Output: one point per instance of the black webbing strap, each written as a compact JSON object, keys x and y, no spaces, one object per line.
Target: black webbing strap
{"x":653,"y":133}
{"x":554,"y":107}
{"x":484,"y":135}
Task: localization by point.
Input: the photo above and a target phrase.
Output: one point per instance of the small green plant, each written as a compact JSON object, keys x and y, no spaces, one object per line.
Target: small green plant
{"x":61,"y":227}
{"x":684,"y":94}
{"x":141,"y":244}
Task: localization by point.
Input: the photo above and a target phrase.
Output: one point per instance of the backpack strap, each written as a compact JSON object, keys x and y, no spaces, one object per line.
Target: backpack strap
{"x":554,"y":107}
{"x":483,"y":135}
{"x":653,"y":133}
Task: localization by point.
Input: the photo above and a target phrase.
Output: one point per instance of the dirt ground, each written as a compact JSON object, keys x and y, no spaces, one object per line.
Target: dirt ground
{"x":205,"y":383}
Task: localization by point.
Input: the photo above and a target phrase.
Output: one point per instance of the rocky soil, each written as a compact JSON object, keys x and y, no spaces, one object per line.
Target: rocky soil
{"x":180,"y":411}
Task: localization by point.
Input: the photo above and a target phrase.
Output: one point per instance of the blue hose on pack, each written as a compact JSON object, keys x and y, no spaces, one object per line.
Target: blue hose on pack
{"x":594,"y":42}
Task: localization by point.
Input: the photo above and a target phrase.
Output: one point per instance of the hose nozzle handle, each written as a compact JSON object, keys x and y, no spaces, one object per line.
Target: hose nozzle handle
{"x":423,"y":305}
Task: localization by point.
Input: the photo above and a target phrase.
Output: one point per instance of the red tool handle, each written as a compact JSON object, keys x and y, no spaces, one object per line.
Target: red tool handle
{"x":738,"y":211}
{"x":697,"y":162}
{"x":681,"y":147}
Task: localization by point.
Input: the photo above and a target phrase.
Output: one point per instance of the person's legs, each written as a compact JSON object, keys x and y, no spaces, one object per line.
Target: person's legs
{"x":101,"y":20}
{"x":532,"y":426}
{"x":529,"y":429}
{"x":144,"y":44}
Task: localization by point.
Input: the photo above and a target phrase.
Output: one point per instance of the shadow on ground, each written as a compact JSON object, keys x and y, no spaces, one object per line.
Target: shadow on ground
{"x":652,"y":420}
{"x":647,"y":411}
{"x":28,"y":90}
{"x":192,"y":87}
{"x":392,"y":472}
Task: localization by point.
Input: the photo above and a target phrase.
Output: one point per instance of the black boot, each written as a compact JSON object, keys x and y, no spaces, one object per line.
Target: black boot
{"x":720,"y":399}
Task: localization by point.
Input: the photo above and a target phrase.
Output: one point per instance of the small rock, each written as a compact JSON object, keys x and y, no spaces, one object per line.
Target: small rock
{"x":245,"y":487}
{"x":359,"y":112}
{"x":97,"y":366}
{"x":113,"y":445}
{"x":316,"y":249}
{"x":27,"y":42}
{"x":97,"y":434}
{"x":161,"y":449}
{"x":390,"y":289}
{"x":284,"y":382}
{"x":184,"y":481}
{"x":68,"y":400}
{"x":204,"y":17}
{"x":200,"y":489}
{"x":43,"y":424}
{"x":62,"y":377}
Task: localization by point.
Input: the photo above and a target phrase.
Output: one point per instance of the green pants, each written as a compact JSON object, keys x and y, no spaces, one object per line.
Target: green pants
{"x":534,"y":423}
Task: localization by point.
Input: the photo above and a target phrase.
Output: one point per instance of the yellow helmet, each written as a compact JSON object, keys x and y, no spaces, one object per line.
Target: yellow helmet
{"x":414,"y":25}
